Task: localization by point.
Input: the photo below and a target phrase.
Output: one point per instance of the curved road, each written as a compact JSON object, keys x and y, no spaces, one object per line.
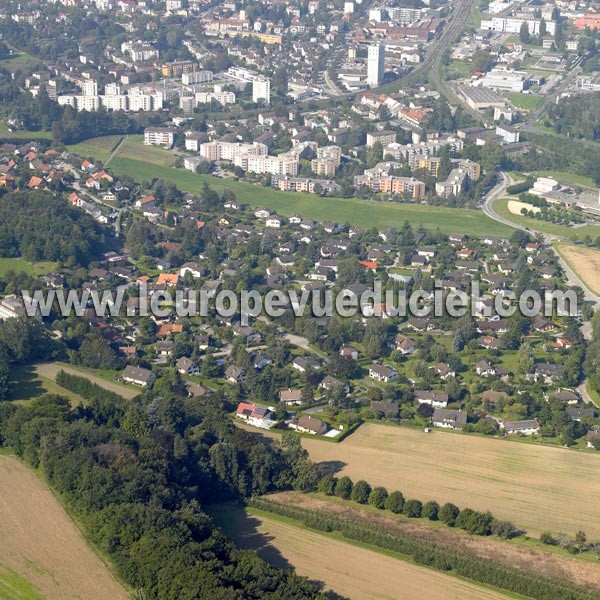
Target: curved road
{"x":572,"y":278}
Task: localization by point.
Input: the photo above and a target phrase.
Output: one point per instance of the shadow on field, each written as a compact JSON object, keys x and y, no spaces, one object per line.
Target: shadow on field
{"x":242,"y":529}
{"x":330,"y":467}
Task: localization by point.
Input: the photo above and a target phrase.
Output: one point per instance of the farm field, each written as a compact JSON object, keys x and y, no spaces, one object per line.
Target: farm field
{"x":42,"y":546}
{"x":50,"y":370}
{"x":501,"y":207}
{"x":362,"y":574}
{"x":538,"y":488}
{"x":144,"y":164}
{"x":585,"y":262}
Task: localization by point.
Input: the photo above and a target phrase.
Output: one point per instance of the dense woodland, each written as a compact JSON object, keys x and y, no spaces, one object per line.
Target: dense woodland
{"x":37,"y":226}
{"x":577,"y":116}
{"x":137,"y":474}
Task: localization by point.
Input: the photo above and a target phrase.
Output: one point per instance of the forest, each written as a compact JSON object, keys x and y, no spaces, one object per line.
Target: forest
{"x":38,"y":226}
{"x":137,"y":474}
{"x":577,"y":116}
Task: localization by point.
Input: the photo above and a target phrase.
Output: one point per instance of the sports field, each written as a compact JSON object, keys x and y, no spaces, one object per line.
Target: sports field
{"x":349,"y":570}
{"x":585,"y":262}
{"x":42,"y":553}
{"x":538,"y":488}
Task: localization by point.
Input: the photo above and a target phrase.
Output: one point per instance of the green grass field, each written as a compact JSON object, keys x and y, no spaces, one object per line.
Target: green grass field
{"x":525,"y":101}
{"x":22,"y":134}
{"x":572,"y":233}
{"x":20,"y":264}
{"x":144,"y":164}
{"x":27,"y":384}
{"x":569,"y":178}
{"x":15,"y":587}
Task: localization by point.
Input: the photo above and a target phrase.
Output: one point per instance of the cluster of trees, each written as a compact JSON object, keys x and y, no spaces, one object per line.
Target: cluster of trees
{"x":472,"y":521}
{"x":69,"y":126}
{"x":432,"y":554}
{"x":137,"y":474}
{"x":22,"y":340}
{"x":39,"y":228}
{"x":577,"y":116}
{"x":522,"y":186}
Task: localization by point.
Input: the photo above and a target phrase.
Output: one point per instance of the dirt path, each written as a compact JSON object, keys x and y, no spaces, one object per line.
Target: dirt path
{"x":39,"y":541}
{"x":50,"y":371}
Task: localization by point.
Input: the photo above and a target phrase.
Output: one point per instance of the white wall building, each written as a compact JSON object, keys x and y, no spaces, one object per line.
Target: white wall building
{"x":261,"y":90}
{"x":375,"y":65}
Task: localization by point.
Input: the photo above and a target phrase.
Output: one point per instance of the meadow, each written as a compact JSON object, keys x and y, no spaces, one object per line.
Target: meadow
{"x":144,"y":164}
{"x":31,"y":268}
{"x":536,"y":487}
{"x":43,"y":554}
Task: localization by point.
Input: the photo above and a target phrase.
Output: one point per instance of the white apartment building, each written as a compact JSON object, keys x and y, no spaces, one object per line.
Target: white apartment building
{"x":375,"y":65}
{"x":261,"y":90}
{"x":230,"y":150}
{"x":513,"y":25}
{"x":275,"y":165}
{"x":159,"y":136}
{"x":220,"y":97}
{"x":196,"y":77}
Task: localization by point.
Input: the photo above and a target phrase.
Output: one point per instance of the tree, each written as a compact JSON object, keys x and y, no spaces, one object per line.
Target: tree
{"x":547,"y":538}
{"x":343,"y":487}
{"x":378,"y":497}
{"x":395,"y":503}
{"x":524,"y":33}
{"x":360,"y":492}
{"x":543,"y":28}
{"x":327,"y":485}
{"x":430,"y":510}
{"x":413,"y":509}
{"x":448,"y":514}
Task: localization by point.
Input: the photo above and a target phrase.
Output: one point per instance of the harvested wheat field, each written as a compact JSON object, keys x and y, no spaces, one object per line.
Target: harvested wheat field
{"x":40,"y":543}
{"x":585,"y":573}
{"x":585,"y":262}
{"x":351,"y":571}
{"x":538,"y":488}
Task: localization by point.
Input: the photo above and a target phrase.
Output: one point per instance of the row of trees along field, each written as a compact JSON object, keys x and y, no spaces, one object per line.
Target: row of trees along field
{"x":136,"y":475}
{"x":424,"y":552}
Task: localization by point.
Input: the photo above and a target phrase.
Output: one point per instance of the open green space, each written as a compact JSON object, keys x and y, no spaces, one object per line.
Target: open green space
{"x":26,"y":383}
{"x":22,"y":134}
{"x":525,"y":101}
{"x":351,"y":210}
{"x":20,"y":264}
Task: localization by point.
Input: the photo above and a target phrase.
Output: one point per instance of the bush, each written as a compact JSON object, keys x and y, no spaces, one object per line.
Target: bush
{"x":395,"y":502}
{"x":504,"y":529}
{"x":360,"y":492}
{"x":546,"y":538}
{"x":413,"y":509}
{"x":448,"y":514}
{"x":377,"y":497}
{"x":475,"y":522}
{"x":430,"y":510}
{"x":343,"y":487}
{"x":327,"y":485}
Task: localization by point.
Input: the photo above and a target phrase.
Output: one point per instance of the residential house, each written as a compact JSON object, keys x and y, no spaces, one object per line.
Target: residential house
{"x":290,"y":397}
{"x":526,"y":427}
{"x":254,"y":414}
{"x":187,"y":366}
{"x":309,"y":424}
{"x":138,"y":376}
{"x":449,"y":419}
{"x":380,"y":372}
